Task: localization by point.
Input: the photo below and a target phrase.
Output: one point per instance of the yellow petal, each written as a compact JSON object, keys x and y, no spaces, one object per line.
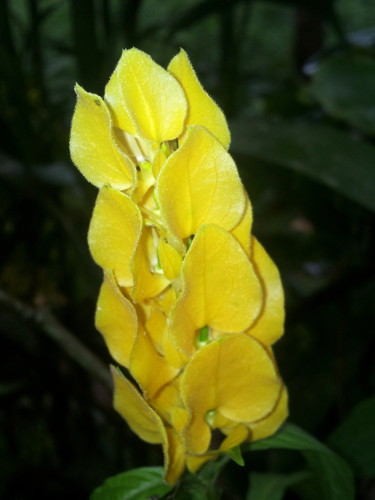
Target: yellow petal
{"x":147,"y":424}
{"x":142,"y":419}
{"x":199,"y":184}
{"x":218,"y":421}
{"x":220,"y":288}
{"x":233,"y":375}
{"x":195,"y":462}
{"x":174,"y":356}
{"x":146,"y":282}
{"x":155,"y":326}
{"x":148,"y":367}
{"x":114,"y":232}
{"x":179,"y":343}
{"x":146,"y":98}
{"x":145,"y":182}
{"x":158,"y":162}
{"x":117,"y":320}
{"x":170,"y":260}
{"x":114,"y":97}
{"x":270,"y":324}
{"x":167,"y":400}
{"x":270,"y":424}
{"x":168,"y":404}
{"x":92,"y":145}
{"x":237,"y":436}
{"x":149,"y":207}
{"x":202,"y":110}
{"x":167,"y":300}
{"x":175,"y":463}
{"x":242,"y":232}
{"x":136,"y":149}
{"x":180,"y":418}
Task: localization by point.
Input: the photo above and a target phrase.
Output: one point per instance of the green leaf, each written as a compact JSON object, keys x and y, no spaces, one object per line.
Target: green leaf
{"x":236,"y":455}
{"x":290,"y":437}
{"x":191,"y":490}
{"x":203,"y":485}
{"x":9,"y":388}
{"x":330,"y":156}
{"x":344,"y":85}
{"x":355,"y":438}
{"x":272,"y":486}
{"x":333,"y":473}
{"x":211,"y":470}
{"x":135,"y":484}
{"x":197,"y":486}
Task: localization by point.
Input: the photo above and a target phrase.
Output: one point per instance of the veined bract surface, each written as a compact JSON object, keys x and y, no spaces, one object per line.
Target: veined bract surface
{"x":190,"y":303}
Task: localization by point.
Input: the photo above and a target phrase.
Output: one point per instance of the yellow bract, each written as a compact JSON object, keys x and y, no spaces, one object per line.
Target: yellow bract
{"x":238,"y":435}
{"x":147,"y":283}
{"x":220,"y":288}
{"x":242,"y":232}
{"x":270,"y":324}
{"x":114,"y":232}
{"x":233,"y":376}
{"x":117,"y":320}
{"x":199,"y":184}
{"x":170,"y":260}
{"x":269,"y":424}
{"x":140,"y":416}
{"x":93,"y":147}
{"x":144,"y":356}
{"x":146,"y":100}
{"x":190,"y":302}
{"x":202,"y":110}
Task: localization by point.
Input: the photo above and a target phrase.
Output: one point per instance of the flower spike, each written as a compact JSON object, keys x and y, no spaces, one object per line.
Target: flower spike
{"x":190,"y":303}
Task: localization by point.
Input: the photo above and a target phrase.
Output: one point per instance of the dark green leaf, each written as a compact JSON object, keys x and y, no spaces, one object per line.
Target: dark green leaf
{"x":136,"y":484}
{"x":83,"y":21}
{"x":272,"y":486}
{"x":355,"y":438}
{"x":334,"y":476}
{"x":197,"y":487}
{"x":290,"y":437}
{"x":210,"y":471}
{"x":329,"y":156}
{"x":8,"y":388}
{"x":203,"y":485}
{"x":344,"y":85}
{"x":190,"y":490}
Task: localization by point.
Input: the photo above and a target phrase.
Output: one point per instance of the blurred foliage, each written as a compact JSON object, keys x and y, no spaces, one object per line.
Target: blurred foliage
{"x":296,"y":78}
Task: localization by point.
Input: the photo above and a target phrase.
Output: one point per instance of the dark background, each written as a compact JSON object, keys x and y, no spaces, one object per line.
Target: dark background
{"x":297,"y":82}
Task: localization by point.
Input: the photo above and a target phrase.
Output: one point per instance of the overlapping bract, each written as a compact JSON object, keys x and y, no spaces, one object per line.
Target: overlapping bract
{"x":190,"y":303}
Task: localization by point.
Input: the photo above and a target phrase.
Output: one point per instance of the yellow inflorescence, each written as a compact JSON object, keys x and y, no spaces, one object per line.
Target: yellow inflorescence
{"x":191,"y":302}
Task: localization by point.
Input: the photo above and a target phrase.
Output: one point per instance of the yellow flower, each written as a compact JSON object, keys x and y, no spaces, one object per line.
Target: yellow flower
{"x":190,"y":303}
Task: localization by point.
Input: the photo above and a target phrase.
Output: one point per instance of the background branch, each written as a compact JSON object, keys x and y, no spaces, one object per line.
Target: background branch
{"x":49,"y":324}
